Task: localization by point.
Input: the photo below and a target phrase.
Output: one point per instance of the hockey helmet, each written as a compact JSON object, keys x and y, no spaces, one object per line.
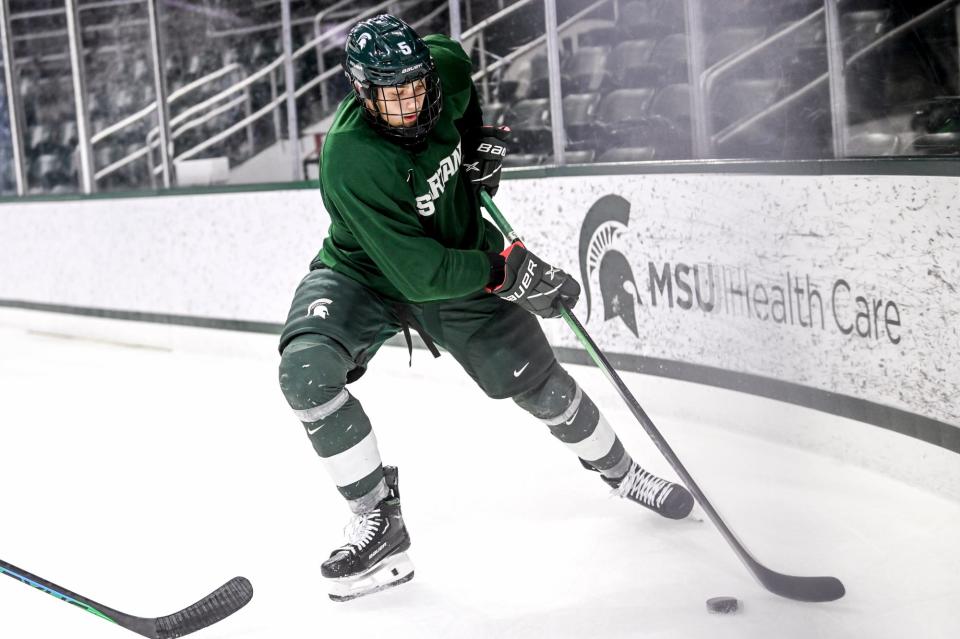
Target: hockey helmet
{"x":385,"y":52}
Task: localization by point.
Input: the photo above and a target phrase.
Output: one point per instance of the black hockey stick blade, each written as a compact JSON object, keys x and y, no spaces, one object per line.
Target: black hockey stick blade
{"x":221,"y":603}
{"x":218,"y":605}
{"x":810,"y":589}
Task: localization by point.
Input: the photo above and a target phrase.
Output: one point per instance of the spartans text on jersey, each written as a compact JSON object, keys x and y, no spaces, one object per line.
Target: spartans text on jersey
{"x":448,"y":167}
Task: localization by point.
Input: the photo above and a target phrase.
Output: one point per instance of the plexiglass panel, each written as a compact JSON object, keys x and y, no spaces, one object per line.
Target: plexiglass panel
{"x":639,"y":80}
{"x":120,"y":93}
{"x":43,"y":81}
{"x":511,"y":74}
{"x":7,"y":180}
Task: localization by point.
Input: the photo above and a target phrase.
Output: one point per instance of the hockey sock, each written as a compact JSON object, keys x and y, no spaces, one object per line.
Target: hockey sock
{"x":574,"y":419}
{"x":313,"y":373}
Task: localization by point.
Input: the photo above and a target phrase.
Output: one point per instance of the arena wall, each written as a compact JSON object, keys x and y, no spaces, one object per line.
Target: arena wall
{"x":829,"y":291}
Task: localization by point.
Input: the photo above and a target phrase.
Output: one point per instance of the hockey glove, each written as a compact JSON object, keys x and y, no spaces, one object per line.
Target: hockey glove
{"x":483,"y":165}
{"x":534,"y":284}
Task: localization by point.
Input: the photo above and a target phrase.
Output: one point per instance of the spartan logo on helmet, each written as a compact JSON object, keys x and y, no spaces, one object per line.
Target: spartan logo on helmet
{"x":394,"y":79}
{"x":605,"y":223}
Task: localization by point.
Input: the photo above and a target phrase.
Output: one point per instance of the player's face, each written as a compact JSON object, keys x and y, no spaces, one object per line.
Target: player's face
{"x":400,"y":105}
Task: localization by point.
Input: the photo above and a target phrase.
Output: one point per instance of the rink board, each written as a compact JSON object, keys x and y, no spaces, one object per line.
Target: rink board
{"x":828,"y":290}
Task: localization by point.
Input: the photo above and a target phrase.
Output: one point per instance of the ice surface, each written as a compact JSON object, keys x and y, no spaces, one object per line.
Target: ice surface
{"x":145,"y":476}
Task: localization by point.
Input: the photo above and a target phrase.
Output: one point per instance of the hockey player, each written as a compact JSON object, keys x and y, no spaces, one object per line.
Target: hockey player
{"x":408,"y":247}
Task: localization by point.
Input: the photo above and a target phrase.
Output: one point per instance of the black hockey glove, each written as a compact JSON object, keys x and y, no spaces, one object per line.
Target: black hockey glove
{"x":483,"y":164}
{"x":534,"y":284}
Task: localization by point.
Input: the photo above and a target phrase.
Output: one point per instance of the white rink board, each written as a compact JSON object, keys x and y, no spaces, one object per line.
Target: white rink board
{"x":892,"y":241}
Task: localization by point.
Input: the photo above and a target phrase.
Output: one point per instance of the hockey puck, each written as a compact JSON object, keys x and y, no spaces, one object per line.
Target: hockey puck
{"x":722,"y":605}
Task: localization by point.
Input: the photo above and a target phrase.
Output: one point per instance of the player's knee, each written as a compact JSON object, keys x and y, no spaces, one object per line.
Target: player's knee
{"x":312,"y":369}
{"x":552,"y":397}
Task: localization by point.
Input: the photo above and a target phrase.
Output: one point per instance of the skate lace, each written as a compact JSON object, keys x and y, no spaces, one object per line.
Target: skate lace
{"x":361,"y":530}
{"x":643,"y":486}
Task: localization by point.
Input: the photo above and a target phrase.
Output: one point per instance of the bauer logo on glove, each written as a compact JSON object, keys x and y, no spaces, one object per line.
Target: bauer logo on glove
{"x":484,"y":164}
{"x":534,"y":284}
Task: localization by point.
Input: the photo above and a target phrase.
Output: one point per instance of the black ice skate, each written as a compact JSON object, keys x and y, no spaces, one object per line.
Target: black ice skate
{"x":374,"y":556}
{"x":673,"y":501}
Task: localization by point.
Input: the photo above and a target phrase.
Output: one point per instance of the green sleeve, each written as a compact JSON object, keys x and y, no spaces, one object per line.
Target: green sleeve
{"x":388,"y":229}
{"x":455,"y":69}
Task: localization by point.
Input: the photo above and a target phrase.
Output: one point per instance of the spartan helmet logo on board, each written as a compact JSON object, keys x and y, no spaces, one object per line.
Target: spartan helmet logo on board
{"x":363,"y":40}
{"x":605,"y":223}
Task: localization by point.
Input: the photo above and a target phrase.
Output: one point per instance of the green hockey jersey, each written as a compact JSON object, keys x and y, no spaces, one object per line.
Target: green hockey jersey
{"x":402,"y":222}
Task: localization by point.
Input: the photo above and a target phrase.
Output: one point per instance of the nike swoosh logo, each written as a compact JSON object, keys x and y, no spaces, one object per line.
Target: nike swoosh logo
{"x":314,"y":430}
{"x":520,"y":372}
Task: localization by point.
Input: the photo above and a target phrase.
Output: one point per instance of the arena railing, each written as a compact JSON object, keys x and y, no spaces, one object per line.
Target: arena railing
{"x":549,"y":41}
{"x":151,"y":108}
{"x":330,"y":39}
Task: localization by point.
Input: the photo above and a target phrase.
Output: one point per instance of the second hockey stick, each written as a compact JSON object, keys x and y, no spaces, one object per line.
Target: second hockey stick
{"x":813,"y":589}
{"x":221,"y":603}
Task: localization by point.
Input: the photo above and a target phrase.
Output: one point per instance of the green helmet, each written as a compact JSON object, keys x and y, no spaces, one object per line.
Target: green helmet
{"x":386,"y":52}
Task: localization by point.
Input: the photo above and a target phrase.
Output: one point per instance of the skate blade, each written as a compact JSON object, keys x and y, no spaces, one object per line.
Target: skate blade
{"x":392,"y":571}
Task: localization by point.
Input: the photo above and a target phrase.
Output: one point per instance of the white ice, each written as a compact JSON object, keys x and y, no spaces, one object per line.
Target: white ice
{"x":144,"y":465}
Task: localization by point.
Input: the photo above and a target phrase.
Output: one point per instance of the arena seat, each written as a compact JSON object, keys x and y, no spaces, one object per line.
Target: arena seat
{"x":601,"y":33}
{"x":628,"y":154}
{"x":669,"y":115}
{"x":579,"y":119}
{"x":638,"y":19}
{"x":936,"y":144}
{"x":873,"y":144}
{"x":624,"y":106}
{"x":529,"y":125}
{"x":514,"y":83}
{"x":539,"y":77}
{"x":670,"y":56}
{"x":585,"y":70}
{"x":627,"y":63}
{"x":585,"y":156}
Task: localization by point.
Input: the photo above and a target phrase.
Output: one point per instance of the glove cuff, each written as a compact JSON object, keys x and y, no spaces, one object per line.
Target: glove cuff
{"x":498,"y":265}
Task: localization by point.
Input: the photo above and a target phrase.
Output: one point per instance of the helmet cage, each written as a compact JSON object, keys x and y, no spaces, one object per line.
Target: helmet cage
{"x":377,"y":91}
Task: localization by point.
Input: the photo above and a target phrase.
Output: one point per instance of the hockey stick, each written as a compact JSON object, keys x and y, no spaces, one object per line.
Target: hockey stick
{"x":814,"y":589}
{"x":221,"y":603}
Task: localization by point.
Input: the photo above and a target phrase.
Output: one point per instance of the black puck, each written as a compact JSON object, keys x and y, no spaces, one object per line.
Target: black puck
{"x":722,"y":605}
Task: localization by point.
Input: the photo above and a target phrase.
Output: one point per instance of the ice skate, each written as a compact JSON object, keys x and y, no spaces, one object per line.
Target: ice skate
{"x":666,"y":498}
{"x":374,"y":556}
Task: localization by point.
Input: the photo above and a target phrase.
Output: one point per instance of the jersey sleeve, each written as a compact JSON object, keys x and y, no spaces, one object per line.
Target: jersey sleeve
{"x":455,"y":70}
{"x":377,"y":209}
